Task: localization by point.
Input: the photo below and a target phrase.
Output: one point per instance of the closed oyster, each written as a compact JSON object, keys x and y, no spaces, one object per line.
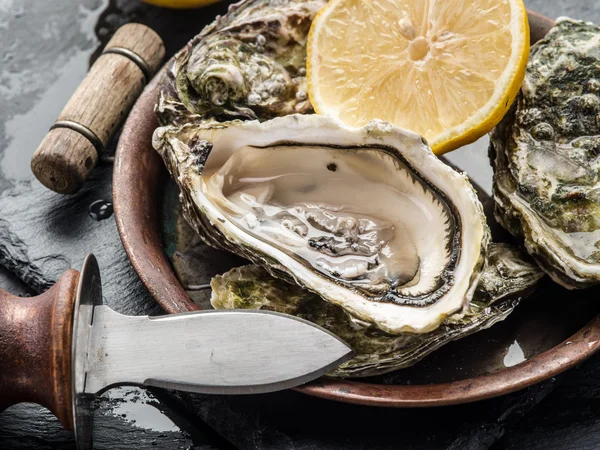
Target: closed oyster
{"x":248,"y":64}
{"x":545,"y":156}
{"x":508,"y":277}
{"x":368,"y":218}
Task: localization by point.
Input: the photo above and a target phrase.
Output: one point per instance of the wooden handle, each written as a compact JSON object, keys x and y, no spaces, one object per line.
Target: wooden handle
{"x":69,"y":152}
{"x":35,"y":348}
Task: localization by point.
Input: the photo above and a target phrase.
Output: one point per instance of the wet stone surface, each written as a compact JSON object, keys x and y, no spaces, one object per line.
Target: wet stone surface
{"x":45,"y":49}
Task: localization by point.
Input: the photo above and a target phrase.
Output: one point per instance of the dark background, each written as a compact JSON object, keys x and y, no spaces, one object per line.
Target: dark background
{"x":45,"y":49}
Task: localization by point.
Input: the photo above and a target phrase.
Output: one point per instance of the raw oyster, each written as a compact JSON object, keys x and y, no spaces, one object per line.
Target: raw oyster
{"x":248,"y":64}
{"x":368,"y":217}
{"x":545,"y":156}
{"x":508,"y":277}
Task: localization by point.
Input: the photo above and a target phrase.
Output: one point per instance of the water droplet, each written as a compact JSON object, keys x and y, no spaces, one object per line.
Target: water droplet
{"x":100,"y":210}
{"x":514,"y":355}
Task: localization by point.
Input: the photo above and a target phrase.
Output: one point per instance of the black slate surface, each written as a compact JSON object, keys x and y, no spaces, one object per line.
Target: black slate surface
{"x":44,"y":52}
{"x":290,"y":420}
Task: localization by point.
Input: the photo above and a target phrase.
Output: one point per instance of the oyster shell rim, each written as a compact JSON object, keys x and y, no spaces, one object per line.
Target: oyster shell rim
{"x":384,"y":316}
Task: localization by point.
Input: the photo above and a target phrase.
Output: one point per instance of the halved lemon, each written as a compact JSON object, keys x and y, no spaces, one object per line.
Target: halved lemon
{"x":446,"y":69}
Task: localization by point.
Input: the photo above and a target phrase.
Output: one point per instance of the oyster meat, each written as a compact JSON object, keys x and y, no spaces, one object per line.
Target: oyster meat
{"x":368,"y":218}
{"x":545,"y":156}
{"x":508,"y":277}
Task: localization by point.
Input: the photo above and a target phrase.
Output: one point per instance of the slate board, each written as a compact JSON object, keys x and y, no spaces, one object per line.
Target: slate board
{"x":42,"y":233}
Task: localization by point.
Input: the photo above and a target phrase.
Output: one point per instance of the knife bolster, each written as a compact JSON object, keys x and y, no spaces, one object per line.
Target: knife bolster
{"x":35,"y":348}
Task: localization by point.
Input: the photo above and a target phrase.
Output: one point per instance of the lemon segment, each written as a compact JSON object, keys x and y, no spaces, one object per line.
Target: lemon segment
{"x":446,"y":69}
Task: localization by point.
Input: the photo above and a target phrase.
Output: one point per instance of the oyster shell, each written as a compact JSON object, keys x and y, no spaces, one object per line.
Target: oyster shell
{"x":368,"y":218}
{"x":545,"y":156}
{"x":248,"y":64}
{"x":508,"y":277}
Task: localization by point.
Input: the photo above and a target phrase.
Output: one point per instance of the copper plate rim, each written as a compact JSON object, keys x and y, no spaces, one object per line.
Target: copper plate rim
{"x":138,"y":179}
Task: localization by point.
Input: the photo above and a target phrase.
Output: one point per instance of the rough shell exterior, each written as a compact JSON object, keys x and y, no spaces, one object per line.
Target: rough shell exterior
{"x":545,"y":156}
{"x":248,"y":64}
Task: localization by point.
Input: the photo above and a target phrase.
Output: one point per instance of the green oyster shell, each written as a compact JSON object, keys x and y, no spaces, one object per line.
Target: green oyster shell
{"x":545,"y":156}
{"x":248,"y":64}
{"x":508,"y":277}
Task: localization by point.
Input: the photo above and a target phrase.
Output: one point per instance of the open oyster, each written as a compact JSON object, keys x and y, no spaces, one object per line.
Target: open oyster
{"x":368,"y":218}
{"x":508,"y":277}
{"x":545,"y":156}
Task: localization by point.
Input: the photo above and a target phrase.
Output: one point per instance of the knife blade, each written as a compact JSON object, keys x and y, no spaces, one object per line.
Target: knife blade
{"x":86,"y":348}
{"x":211,"y":352}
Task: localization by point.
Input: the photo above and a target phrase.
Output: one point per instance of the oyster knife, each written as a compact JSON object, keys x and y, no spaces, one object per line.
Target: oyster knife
{"x":64,"y":347}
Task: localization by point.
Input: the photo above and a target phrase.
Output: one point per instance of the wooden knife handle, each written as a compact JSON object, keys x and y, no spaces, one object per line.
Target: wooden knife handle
{"x":69,"y":152}
{"x":35,"y":348}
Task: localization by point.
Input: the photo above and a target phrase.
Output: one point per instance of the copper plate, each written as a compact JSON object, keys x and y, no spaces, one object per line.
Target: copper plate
{"x":138,"y":181}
